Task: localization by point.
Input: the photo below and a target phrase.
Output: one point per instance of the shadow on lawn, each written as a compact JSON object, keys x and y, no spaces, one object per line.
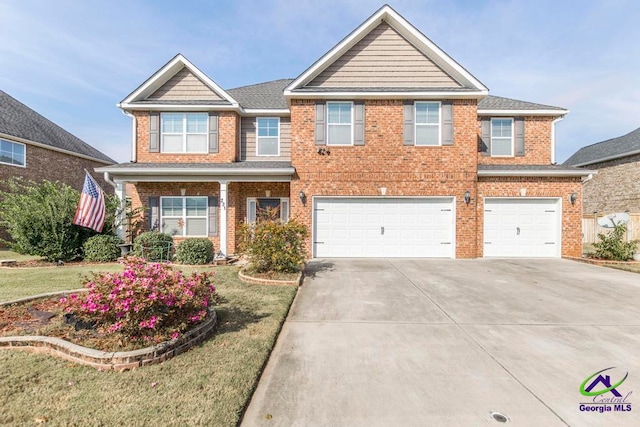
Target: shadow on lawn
{"x":314,"y":267}
{"x":233,"y":319}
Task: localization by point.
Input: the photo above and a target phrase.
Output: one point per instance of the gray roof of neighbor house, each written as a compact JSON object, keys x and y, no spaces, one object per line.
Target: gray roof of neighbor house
{"x":499,"y":103}
{"x":20,"y":121}
{"x":610,"y":149}
{"x":262,"y":95}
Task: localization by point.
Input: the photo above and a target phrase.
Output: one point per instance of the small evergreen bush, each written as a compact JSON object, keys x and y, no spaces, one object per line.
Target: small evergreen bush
{"x":613,"y":245}
{"x":153,"y":246}
{"x":273,"y":246}
{"x":195,"y":251}
{"x":102,"y":248}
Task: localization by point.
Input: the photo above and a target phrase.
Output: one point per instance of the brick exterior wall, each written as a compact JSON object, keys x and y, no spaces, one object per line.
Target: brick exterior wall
{"x":615,"y":188}
{"x":537,"y":144}
{"x":537,"y":187}
{"x":384,"y":162}
{"x":228,"y":122}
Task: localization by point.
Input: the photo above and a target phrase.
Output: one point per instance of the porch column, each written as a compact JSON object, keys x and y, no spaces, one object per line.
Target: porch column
{"x":223,"y":219}
{"x":121,"y":194}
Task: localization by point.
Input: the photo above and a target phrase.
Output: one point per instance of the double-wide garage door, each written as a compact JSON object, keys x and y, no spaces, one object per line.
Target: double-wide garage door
{"x":384,"y":227}
{"x":522,"y":227}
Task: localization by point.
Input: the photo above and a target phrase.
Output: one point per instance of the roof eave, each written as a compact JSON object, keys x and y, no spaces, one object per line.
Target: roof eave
{"x":288,"y":94}
{"x":198,"y":171}
{"x":52,"y":148}
{"x":177,"y":107}
{"x":606,"y":159}
{"x":540,"y":112}
{"x":539,"y":173}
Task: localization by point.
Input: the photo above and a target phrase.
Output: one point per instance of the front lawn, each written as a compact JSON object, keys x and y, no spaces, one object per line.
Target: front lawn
{"x":208,"y":385}
{"x":7,"y":254}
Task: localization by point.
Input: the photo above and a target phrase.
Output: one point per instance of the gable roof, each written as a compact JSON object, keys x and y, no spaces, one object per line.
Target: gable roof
{"x":139,"y":98}
{"x":386,"y":14}
{"x":500,"y":105}
{"x":21,"y":122}
{"x":268,"y":95}
{"x":615,"y":148}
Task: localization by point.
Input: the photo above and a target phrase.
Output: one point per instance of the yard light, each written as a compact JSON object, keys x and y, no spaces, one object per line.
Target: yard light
{"x":303,"y":198}
{"x":467,"y":197}
{"x":573,"y":197}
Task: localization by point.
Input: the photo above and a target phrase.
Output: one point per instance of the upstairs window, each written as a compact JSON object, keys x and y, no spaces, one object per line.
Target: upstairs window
{"x":427,"y":123}
{"x":12,"y":153}
{"x":502,"y":137}
{"x":268,"y":136}
{"x":184,"y":132}
{"x":339,"y":123}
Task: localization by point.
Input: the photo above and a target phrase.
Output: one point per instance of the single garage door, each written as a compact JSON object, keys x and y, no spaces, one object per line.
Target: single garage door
{"x":384,"y":227}
{"x":521,"y":227}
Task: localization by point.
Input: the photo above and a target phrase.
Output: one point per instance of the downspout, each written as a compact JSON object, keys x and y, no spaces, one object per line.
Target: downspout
{"x":553,"y":139}
{"x":134,"y":134}
{"x":109,"y":181}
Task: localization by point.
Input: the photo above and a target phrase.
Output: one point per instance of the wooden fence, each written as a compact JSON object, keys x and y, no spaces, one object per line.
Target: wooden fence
{"x":590,"y":229}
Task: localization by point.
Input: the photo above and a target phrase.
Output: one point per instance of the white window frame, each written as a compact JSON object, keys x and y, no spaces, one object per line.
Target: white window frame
{"x":513,"y":139}
{"x":183,"y":133}
{"x":252,"y":207}
{"x":416,"y":124}
{"x":352,"y":138}
{"x":24,"y":147}
{"x":258,"y":137}
{"x":184,"y":215}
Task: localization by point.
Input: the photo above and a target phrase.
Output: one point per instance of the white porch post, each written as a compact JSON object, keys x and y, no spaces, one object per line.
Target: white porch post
{"x":223,"y":218}
{"x":121,"y":194}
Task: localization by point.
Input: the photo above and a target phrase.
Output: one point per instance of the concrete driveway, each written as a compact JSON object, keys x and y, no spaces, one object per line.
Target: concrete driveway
{"x":448,"y":342}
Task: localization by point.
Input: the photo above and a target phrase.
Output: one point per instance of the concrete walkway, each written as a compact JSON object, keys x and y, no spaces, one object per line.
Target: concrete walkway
{"x":448,"y":342}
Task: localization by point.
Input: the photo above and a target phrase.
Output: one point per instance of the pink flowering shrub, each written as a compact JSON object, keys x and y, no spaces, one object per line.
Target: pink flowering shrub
{"x":145,"y":301}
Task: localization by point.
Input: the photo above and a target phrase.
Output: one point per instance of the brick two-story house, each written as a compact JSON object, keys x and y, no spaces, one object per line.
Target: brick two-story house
{"x":384,"y":147}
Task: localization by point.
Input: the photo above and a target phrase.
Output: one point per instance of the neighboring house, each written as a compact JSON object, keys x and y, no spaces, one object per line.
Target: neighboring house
{"x":616,"y":187}
{"x":35,"y":148}
{"x":384,"y":147}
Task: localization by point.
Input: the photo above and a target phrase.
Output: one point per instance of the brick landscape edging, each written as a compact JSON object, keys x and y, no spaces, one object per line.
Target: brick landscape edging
{"x":596,"y":261}
{"x":119,"y":360}
{"x":260,"y":281}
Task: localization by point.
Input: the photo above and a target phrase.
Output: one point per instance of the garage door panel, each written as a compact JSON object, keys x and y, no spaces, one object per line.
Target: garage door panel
{"x":389,"y":227}
{"x":521,"y":228}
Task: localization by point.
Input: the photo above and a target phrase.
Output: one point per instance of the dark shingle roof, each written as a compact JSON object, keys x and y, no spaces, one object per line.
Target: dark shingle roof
{"x":609,"y":149}
{"x":263,"y":95}
{"x":20,"y":121}
{"x":499,"y":103}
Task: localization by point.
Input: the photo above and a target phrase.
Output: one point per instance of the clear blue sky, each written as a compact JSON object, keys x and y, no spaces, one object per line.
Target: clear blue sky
{"x":72,"y":61}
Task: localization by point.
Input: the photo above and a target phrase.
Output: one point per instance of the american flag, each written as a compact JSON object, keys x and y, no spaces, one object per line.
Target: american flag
{"x":91,"y":210}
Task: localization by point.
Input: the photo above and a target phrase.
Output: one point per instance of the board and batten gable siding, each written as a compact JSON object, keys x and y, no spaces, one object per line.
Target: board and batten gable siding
{"x":184,"y":86}
{"x":248,"y":148}
{"x":383,"y":58}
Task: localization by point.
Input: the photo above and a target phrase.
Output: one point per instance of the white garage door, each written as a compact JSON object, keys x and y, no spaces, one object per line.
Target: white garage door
{"x":383,"y":227}
{"x":522,"y":228}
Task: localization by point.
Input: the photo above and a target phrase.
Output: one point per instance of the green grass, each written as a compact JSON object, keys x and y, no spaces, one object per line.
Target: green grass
{"x":7,"y":254}
{"x":208,"y":385}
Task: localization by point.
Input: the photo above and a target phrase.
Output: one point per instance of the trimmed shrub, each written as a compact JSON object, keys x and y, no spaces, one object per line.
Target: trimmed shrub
{"x":102,"y":248}
{"x":149,"y":302}
{"x":273,"y":246}
{"x":195,"y":251}
{"x":153,"y":246}
{"x":614,"y":246}
{"x":38,"y":217}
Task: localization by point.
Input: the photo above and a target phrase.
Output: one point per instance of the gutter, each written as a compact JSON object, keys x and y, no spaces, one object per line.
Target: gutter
{"x":559,"y":173}
{"x":108,"y":179}
{"x":208,"y":171}
{"x":522,"y":112}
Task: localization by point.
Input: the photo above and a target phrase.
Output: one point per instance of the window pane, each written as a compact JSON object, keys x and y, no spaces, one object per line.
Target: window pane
{"x":172,"y":123}
{"x":172,"y":143}
{"x":501,"y":128}
{"x":267,"y":146}
{"x":18,"y":159}
{"x":339,"y":135}
{"x":171,"y":206}
{"x":501,"y":147}
{"x":268,"y":209}
{"x":172,"y":226}
{"x":197,"y":143}
{"x":197,"y":123}
{"x":427,"y":112}
{"x":426,"y":135}
{"x":339,"y":112}
{"x":196,"y":226}
{"x":6,"y":146}
{"x":196,"y":206}
{"x":268,"y":126}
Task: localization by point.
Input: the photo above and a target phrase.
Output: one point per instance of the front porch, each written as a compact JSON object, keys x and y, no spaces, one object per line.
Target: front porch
{"x":202,"y":200}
